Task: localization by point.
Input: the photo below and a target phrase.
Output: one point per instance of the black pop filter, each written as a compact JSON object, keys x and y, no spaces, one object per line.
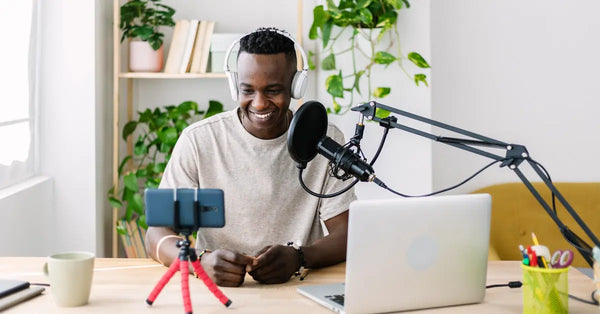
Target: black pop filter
{"x":308,"y":126}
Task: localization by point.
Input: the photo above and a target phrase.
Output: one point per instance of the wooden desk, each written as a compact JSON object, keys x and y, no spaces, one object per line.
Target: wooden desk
{"x":122,"y":285}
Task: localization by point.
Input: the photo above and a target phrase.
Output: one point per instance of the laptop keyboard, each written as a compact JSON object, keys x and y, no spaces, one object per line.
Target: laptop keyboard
{"x":337,"y":298}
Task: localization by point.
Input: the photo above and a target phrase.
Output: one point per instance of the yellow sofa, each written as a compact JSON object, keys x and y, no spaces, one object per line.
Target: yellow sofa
{"x":516,"y":213}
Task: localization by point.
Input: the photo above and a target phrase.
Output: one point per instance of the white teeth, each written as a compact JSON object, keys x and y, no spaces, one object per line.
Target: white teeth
{"x":263,"y":116}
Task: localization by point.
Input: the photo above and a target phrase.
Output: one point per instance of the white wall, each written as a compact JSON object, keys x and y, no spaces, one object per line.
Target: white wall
{"x":522,"y":72}
{"x":65,"y":209}
{"x":405,"y":162}
{"x":24,"y":218}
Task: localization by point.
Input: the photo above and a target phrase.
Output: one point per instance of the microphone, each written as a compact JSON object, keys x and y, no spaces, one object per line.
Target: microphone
{"x":307,"y":138}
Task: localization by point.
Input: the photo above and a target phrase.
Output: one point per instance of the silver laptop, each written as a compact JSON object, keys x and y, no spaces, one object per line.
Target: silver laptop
{"x":415,"y":253}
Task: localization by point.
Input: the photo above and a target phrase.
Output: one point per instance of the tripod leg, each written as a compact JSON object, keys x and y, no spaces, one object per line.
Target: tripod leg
{"x":163,"y":281}
{"x":185,"y":286}
{"x":208,"y":282}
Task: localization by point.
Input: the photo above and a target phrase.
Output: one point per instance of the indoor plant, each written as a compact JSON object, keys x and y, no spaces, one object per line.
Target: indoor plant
{"x":157,"y":132}
{"x":142,"y":19}
{"x":370,"y":21}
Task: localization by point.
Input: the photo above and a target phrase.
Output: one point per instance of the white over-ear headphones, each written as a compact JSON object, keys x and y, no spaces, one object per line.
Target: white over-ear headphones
{"x":298,"y":82}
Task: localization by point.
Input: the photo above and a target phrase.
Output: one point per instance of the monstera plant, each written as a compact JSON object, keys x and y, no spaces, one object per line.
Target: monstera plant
{"x":341,"y":26}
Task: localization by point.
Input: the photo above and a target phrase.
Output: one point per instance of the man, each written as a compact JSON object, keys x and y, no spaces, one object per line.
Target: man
{"x":244,"y":152}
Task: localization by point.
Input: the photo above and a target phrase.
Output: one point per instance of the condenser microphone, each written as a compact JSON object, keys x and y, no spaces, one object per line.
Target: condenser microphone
{"x":307,"y":138}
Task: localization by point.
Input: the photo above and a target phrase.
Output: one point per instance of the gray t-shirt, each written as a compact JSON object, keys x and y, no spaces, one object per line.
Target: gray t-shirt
{"x":264,"y":202}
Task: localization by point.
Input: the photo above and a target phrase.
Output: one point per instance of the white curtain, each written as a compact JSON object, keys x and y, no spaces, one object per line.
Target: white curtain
{"x":18,"y":95}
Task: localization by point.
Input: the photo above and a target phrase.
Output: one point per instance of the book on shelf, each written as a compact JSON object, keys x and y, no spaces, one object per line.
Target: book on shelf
{"x":204,"y":55}
{"x":189,"y":45}
{"x":196,"y":53}
{"x":177,"y":46}
{"x":133,"y":239}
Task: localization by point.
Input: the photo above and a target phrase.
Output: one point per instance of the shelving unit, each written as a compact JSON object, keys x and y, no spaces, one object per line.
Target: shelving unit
{"x":118,"y":75}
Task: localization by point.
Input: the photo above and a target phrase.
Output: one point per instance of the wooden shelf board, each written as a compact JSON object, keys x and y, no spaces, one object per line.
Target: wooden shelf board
{"x":162,"y":75}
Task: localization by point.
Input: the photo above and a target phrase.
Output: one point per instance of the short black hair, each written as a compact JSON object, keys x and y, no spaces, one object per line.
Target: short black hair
{"x":268,"y":40}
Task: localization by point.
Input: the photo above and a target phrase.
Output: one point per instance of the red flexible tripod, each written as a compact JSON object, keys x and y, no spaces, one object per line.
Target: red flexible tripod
{"x":181,"y":264}
{"x":185,"y":254}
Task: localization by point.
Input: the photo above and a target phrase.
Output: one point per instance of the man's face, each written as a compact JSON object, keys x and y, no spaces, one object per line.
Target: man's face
{"x":264,"y":93}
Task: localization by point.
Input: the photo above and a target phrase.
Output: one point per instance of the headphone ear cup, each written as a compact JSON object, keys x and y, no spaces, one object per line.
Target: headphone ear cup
{"x":299,"y":84}
{"x":233,"y":84}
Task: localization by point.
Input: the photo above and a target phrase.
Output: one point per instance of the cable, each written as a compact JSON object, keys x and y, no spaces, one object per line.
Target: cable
{"x":381,"y":184}
{"x":593,"y":302}
{"x":510,"y":284}
{"x":518,"y":284}
{"x":332,"y":173}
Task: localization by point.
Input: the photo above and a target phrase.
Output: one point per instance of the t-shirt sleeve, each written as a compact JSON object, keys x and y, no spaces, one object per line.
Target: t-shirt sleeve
{"x":181,"y":170}
{"x":331,"y":207}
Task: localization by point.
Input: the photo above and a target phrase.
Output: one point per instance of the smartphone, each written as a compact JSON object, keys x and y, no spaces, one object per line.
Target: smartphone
{"x":160,"y":213}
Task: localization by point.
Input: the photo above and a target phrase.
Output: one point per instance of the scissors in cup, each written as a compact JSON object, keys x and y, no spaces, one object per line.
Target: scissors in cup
{"x":562,"y":258}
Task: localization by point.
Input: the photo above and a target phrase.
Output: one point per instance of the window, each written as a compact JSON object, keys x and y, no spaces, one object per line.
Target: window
{"x":17,"y":91}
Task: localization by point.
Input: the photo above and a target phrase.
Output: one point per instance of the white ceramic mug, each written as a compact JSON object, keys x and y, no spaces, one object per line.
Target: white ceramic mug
{"x":70,"y":275}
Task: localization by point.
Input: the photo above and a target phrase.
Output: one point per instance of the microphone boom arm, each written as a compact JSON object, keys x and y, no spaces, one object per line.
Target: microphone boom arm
{"x":515,"y":155}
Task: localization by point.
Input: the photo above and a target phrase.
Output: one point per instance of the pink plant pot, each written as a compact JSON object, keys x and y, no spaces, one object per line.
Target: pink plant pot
{"x":142,"y":58}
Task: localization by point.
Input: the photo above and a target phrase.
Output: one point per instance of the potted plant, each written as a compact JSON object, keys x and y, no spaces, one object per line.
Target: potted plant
{"x":360,"y":30}
{"x":157,"y":132}
{"x":140,"y":21}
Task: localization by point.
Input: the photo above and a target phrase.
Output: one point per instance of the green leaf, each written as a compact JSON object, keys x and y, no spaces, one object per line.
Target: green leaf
{"x":214,"y":107}
{"x":187,"y":106}
{"x":381,"y":113}
{"x":365,"y":16}
{"x":141,"y":173}
{"x":421,"y":78}
{"x":418,"y":60}
{"x":129,"y":128}
{"x":336,"y":107}
{"x":121,"y":229}
{"x":382,"y":57}
{"x":140,"y":148}
{"x":159,"y":167}
{"x":142,"y":222}
{"x":319,"y":19}
{"x":168,"y":135}
{"x":326,"y":32}
{"x":137,"y":204}
{"x":115,"y":203}
{"x":123,"y":162}
{"x":311,"y":63}
{"x":381,"y":92}
{"x":130,"y":181}
{"x":329,"y":62}
{"x":145,"y":116}
{"x":335,"y":85}
{"x":180,"y":125}
{"x":165,"y":148}
{"x":357,"y":77}
{"x":362,"y":3}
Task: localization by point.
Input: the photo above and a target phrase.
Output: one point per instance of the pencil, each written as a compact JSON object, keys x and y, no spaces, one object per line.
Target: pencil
{"x":535,"y":241}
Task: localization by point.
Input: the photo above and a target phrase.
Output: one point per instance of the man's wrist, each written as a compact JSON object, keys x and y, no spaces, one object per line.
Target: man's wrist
{"x":301,"y":258}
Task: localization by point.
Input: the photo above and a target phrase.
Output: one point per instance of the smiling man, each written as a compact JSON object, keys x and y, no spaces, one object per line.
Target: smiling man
{"x":244,"y":153}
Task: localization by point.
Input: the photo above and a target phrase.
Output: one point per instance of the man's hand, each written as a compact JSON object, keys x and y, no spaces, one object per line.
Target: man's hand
{"x":275,"y":264}
{"x":226,"y":268}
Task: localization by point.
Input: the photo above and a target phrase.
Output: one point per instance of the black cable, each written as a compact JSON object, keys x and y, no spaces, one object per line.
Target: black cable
{"x":309,"y":191}
{"x":344,"y":190}
{"x":593,"y":302}
{"x":381,"y":184}
{"x":510,"y":284}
